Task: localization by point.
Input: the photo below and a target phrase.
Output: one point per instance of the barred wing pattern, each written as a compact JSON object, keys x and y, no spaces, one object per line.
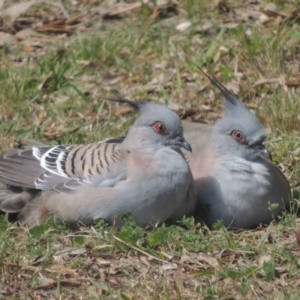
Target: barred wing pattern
{"x":65,"y":167}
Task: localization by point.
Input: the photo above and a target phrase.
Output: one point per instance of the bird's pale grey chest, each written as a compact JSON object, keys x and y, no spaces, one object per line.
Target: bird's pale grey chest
{"x":240,"y":176}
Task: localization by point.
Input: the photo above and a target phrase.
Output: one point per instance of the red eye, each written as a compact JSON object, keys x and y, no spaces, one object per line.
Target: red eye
{"x":160,"y":127}
{"x":238,"y":136}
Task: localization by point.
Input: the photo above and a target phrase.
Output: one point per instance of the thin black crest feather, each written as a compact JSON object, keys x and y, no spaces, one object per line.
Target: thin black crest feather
{"x":135,"y":104}
{"x":226,"y":93}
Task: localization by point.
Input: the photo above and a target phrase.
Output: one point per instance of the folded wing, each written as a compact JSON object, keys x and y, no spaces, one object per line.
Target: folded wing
{"x":65,"y":167}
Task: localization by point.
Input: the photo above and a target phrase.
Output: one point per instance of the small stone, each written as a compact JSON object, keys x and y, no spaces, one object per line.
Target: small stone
{"x":263,"y":19}
{"x":183,"y":26}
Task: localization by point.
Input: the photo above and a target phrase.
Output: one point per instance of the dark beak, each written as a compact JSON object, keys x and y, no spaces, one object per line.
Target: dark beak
{"x":262,"y":149}
{"x":181,"y":142}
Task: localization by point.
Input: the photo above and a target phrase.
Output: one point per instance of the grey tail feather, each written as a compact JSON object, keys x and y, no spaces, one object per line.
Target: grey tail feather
{"x":135,"y":104}
{"x":13,"y":200}
{"x":226,"y":93}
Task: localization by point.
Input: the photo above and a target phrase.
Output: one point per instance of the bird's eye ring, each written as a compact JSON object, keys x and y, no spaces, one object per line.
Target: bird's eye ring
{"x":160,"y":127}
{"x":239,"y":136}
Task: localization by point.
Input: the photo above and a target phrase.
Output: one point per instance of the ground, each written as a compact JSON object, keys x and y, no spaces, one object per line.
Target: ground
{"x":58,"y":63}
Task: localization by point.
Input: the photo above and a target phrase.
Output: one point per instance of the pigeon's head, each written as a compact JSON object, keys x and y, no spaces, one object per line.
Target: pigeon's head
{"x":156,"y":125}
{"x":239,"y":132}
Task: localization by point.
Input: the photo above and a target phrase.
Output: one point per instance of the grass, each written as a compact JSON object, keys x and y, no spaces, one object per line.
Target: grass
{"x":55,"y":94}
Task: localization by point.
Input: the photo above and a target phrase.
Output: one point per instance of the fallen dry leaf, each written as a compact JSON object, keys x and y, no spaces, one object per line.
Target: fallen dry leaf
{"x":74,"y":19}
{"x":6,"y":39}
{"x":14,"y":11}
{"x":64,"y":270}
{"x":271,"y":11}
{"x":292,"y":84}
{"x":297,"y":234}
{"x":28,"y":48}
{"x":263,"y":259}
{"x":123,"y":111}
{"x":155,"y":13}
{"x":46,"y":283}
{"x":183,"y":26}
{"x":25,"y":34}
{"x":186,"y":112}
{"x":122,"y":8}
{"x":55,"y":29}
{"x":233,"y":87}
{"x":211,"y":261}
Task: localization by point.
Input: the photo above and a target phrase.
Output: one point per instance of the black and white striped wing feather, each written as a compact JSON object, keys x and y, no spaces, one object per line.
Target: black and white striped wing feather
{"x":65,"y":167}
